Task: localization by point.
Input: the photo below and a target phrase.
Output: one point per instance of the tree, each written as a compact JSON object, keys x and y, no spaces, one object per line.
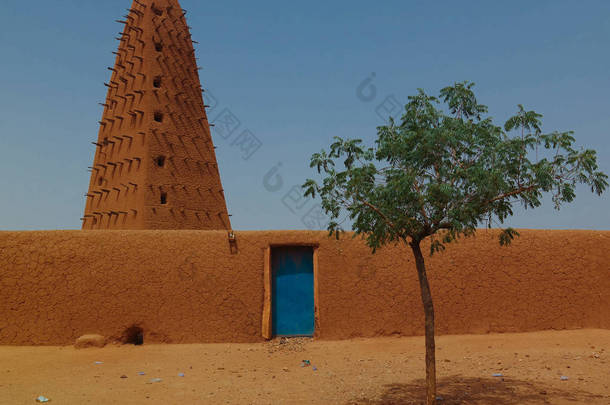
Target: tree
{"x":441,"y":173}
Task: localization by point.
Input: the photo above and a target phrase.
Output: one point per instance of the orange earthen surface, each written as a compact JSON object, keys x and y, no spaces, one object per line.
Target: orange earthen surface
{"x":372,"y":371}
{"x":194,"y":286}
{"x":155,"y":166}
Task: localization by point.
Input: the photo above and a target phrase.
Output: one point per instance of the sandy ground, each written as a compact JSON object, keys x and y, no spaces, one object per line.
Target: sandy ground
{"x":361,"y":371}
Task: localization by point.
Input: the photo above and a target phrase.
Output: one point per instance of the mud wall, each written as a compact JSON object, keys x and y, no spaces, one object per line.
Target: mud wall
{"x":193,"y":286}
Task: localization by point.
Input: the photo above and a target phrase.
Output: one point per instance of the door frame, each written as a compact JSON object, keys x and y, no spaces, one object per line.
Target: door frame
{"x":267,"y":322}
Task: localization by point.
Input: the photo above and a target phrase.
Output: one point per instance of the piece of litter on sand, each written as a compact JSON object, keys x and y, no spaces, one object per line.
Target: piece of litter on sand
{"x":315,"y":368}
{"x":141,"y":373}
{"x":99,"y":362}
{"x":180,"y":374}
{"x":497,"y":375}
{"x":123,"y":376}
{"x":305,"y":363}
{"x":42,"y":399}
{"x":564,"y":378}
{"x":155,"y":380}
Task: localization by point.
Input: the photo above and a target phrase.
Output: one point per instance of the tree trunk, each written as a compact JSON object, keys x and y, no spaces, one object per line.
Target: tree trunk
{"x":426,"y":297}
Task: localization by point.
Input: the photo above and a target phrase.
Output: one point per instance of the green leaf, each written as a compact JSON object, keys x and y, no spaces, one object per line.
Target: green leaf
{"x":507,"y":235}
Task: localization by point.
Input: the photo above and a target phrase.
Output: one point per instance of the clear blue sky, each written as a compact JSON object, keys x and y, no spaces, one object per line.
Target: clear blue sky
{"x":290,"y":71}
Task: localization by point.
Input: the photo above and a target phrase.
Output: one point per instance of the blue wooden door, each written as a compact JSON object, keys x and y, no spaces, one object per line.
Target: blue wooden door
{"x":292,"y":299}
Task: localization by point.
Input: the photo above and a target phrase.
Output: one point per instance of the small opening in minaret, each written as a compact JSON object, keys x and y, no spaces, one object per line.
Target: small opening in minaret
{"x":158,"y":46}
{"x":157,"y":82}
{"x":100,"y":181}
{"x":160,"y":161}
{"x":94,"y":221}
{"x":157,"y":11}
{"x":163,"y":198}
{"x":158,"y":116}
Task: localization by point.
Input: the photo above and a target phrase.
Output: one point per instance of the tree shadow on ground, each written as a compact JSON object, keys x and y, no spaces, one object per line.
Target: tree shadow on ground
{"x":460,"y":390}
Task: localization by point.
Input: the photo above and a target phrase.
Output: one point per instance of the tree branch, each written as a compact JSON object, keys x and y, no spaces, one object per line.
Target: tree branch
{"x":511,"y":193}
{"x":378,"y":211}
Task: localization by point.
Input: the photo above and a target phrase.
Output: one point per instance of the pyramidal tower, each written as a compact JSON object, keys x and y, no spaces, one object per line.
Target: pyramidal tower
{"x":155,"y":165}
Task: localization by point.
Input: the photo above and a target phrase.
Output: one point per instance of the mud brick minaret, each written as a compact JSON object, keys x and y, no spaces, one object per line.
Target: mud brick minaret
{"x":155,"y":165}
